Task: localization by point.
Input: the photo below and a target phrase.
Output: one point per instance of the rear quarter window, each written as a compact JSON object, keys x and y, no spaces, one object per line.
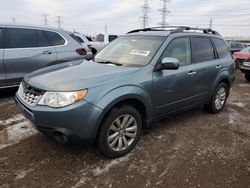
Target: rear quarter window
{"x":221,"y":47}
{"x":54,"y":38}
{"x":202,"y":49}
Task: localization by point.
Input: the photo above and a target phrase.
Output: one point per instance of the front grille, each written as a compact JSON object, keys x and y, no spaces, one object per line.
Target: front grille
{"x":240,"y":61}
{"x":29,"y":95}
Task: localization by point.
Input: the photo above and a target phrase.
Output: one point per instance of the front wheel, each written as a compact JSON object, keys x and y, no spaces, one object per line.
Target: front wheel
{"x":219,"y":99}
{"x":120,"y":132}
{"x":247,"y":76}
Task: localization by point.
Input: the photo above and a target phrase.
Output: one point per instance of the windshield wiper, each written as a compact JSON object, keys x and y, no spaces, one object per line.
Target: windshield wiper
{"x":110,"y":62}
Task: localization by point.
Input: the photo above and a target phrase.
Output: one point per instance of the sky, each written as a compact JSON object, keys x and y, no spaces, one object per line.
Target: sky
{"x":229,"y":17}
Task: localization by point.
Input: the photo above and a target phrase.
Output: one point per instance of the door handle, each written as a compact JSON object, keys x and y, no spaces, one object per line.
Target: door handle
{"x":218,"y":66}
{"x":47,"y":52}
{"x":191,"y":73}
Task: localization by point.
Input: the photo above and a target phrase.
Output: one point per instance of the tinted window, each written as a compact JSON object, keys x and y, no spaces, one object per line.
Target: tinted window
{"x":54,"y":38}
{"x":42,"y":40}
{"x":1,"y":38}
{"x":21,"y":38}
{"x":221,"y":47}
{"x":179,"y":49}
{"x":77,"y":39}
{"x":112,"y":37}
{"x":202,"y":50}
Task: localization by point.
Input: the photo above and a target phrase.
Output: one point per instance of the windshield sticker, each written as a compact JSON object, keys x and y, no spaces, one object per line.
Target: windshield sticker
{"x":140,"y":52}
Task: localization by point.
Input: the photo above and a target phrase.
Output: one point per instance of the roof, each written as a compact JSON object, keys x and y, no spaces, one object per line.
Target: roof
{"x":30,"y":26}
{"x":167,"y":30}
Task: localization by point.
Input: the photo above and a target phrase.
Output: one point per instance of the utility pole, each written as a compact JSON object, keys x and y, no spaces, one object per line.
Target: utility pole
{"x":59,"y":21}
{"x":211,"y":23}
{"x":145,"y":10}
{"x":164,"y":11}
{"x":45,"y":19}
{"x":13,"y":19}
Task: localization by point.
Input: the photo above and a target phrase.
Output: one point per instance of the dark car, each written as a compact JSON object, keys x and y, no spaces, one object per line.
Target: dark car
{"x":24,"y":49}
{"x":245,"y":68}
{"x":235,"y":46}
{"x":138,"y":78}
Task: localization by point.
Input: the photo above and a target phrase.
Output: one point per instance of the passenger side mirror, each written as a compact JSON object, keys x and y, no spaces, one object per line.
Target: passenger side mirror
{"x":169,"y":63}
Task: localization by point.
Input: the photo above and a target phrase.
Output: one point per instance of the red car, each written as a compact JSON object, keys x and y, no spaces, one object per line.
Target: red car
{"x":243,"y":61}
{"x":242,"y":55}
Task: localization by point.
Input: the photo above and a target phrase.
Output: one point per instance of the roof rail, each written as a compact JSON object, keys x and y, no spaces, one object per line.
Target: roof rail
{"x":176,"y":29}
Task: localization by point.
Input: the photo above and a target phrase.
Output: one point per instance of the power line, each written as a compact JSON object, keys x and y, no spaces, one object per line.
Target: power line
{"x":164,"y":11}
{"x":145,"y":10}
{"x":45,"y":19}
{"x":59,"y":21}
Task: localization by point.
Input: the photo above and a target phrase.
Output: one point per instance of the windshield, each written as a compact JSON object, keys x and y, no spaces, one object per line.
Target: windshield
{"x":131,"y":50}
{"x":246,"y":50}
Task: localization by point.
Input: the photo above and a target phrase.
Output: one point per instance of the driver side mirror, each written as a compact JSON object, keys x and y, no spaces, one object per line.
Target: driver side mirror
{"x":169,"y":63}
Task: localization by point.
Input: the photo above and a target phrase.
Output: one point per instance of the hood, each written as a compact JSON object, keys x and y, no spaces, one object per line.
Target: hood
{"x":72,"y":77}
{"x":241,"y":55}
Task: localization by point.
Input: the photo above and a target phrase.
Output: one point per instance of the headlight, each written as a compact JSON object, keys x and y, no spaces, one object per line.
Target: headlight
{"x":246,"y":63}
{"x":62,"y":99}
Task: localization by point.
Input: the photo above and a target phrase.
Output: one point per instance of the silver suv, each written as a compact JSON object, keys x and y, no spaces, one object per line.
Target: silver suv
{"x":24,"y":49}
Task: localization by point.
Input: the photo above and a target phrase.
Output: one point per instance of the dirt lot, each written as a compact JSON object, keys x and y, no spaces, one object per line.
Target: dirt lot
{"x":194,"y":149}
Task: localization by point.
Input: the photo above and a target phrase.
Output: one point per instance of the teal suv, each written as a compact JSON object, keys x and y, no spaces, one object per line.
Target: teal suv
{"x":142,"y":76}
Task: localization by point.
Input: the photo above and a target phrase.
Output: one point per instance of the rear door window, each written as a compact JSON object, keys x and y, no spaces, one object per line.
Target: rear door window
{"x":42,"y":39}
{"x":1,"y":38}
{"x":202,"y":49}
{"x":54,"y":38}
{"x":221,"y":47}
{"x":21,"y":38}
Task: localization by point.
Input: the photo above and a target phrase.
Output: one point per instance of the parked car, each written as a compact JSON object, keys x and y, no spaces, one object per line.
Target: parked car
{"x":235,"y":46}
{"x":245,"y":68}
{"x":241,"y":56}
{"x":24,"y":49}
{"x":83,"y":40}
{"x":138,"y":78}
{"x":98,"y":45}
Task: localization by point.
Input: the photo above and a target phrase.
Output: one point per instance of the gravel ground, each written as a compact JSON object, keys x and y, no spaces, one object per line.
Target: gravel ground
{"x":193,"y":149}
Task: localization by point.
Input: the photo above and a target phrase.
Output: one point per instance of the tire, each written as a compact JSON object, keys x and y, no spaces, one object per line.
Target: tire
{"x":247,"y":76}
{"x":111,"y":129}
{"x":213,"y":106}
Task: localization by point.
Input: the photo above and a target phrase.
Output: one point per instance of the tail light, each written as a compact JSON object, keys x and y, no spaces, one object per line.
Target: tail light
{"x":81,"y":51}
{"x":89,"y":46}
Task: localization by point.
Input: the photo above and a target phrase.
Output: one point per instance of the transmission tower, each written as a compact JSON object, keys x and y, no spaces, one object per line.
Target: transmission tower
{"x":164,"y":11}
{"x":13,"y":19}
{"x":145,"y":10}
{"x":59,"y":21}
{"x":210,"y":23}
{"x":45,"y":19}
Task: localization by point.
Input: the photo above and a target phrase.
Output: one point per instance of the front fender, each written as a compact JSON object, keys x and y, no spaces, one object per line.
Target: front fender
{"x":116,"y":95}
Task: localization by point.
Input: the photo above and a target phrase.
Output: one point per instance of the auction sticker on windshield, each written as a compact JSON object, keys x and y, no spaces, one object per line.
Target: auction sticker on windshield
{"x":140,"y":52}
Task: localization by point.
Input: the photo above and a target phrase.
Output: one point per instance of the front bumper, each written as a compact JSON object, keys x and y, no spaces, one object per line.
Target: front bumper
{"x":245,"y":69}
{"x":78,"y":122}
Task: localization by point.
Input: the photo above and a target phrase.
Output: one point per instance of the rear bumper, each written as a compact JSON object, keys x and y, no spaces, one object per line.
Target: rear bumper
{"x":78,"y":122}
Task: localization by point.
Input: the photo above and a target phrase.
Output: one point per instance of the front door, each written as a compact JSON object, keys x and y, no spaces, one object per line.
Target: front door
{"x":173,"y":89}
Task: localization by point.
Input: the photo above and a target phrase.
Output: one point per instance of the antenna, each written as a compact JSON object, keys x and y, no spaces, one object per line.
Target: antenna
{"x":145,"y":10}
{"x":211,"y":23}
{"x":164,"y":11}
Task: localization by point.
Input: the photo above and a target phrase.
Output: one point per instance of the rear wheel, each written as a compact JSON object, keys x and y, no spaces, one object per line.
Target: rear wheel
{"x":219,"y":99}
{"x":247,"y":76}
{"x":120,"y":132}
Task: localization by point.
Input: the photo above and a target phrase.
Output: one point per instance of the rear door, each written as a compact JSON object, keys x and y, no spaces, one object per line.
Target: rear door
{"x":2,"y":71}
{"x":26,"y":50}
{"x":206,"y":66}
